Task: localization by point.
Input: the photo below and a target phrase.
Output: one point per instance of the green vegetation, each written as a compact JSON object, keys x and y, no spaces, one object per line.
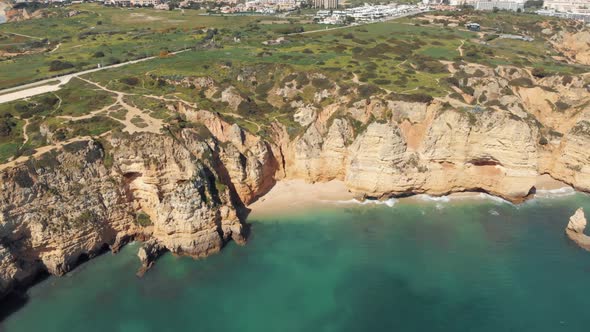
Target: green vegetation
{"x":143,"y":219}
{"x":413,"y":59}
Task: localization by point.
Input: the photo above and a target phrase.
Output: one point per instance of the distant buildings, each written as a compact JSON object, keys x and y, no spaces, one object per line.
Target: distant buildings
{"x":501,"y":5}
{"x":583,"y":16}
{"x":136,"y":3}
{"x":513,"y":5}
{"x":366,"y":13}
{"x":571,"y":9}
{"x":572,"y":6}
{"x":325,"y":4}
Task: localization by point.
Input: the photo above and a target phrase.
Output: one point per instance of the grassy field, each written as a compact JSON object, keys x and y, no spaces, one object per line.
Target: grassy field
{"x":103,"y":35}
{"x":405,"y":58}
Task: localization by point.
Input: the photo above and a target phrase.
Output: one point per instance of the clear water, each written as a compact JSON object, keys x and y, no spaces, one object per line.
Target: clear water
{"x":440,"y":266}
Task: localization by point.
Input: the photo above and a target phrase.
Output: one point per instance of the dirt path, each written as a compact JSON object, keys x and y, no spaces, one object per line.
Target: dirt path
{"x":56,"y":48}
{"x":460,"y":47}
{"x":44,"y":149}
{"x":25,"y":135}
{"x":151,"y":124}
{"x":21,"y":35}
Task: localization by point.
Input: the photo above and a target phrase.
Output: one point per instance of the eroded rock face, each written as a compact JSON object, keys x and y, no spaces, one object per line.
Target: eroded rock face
{"x":571,"y":160}
{"x":575,"y":229}
{"x":438,"y":152}
{"x":575,"y":45}
{"x":72,"y":203}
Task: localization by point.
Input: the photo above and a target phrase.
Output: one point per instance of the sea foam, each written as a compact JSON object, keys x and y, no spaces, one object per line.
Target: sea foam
{"x":390,"y":202}
{"x":560,"y":192}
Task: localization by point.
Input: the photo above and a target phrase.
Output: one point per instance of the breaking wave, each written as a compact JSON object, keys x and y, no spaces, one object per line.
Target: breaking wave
{"x":390,"y":202}
{"x":560,"y":192}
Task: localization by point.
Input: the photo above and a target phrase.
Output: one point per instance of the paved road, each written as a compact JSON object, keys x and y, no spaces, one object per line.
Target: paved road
{"x":44,"y":86}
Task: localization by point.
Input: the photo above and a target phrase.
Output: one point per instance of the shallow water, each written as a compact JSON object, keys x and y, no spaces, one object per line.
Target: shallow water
{"x":433,"y":266}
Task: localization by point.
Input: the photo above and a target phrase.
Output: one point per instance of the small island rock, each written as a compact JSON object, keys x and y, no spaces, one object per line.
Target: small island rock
{"x":575,"y":229}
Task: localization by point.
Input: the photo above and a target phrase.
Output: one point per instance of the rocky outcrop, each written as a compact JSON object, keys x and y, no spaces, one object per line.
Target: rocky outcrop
{"x":576,"y":46}
{"x":575,"y":229}
{"x":70,"y":204}
{"x":147,"y":254}
{"x":442,"y":151}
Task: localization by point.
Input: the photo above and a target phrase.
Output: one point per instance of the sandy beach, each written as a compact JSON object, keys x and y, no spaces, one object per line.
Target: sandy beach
{"x":297,"y":195}
{"x":293,"y":195}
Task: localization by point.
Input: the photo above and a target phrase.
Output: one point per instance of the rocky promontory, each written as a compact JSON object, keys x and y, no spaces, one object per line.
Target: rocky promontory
{"x":575,"y":229}
{"x":70,"y":204}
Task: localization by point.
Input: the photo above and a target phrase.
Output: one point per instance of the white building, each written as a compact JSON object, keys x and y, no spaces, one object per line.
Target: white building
{"x":502,"y":5}
{"x":325,"y":4}
{"x":366,"y":13}
{"x":142,"y":3}
{"x":574,"y":6}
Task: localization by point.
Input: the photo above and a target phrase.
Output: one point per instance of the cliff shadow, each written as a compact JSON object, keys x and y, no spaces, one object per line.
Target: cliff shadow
{"x":17,"y":298}
{"x":12,"y":303}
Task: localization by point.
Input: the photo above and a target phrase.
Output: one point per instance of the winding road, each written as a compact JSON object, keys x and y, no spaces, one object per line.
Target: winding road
{"x":44,"y":86}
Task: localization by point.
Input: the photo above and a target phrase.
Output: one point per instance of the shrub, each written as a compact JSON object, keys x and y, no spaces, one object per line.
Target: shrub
{"x":521,"y":81}
{"x":543,"y":141}
{"x":263,"y":89}
{"x":6,"y":125}
{"x":99,"y":54}
{"x":143,"y":219}
{"x":561,"y":106}
{"x":322,"y":83}
{"x":368,"y":90}
{"x":412,"y":98}
{"x":57,"y":65}
{"x":539,"y":72}
{"x":133,"y":81}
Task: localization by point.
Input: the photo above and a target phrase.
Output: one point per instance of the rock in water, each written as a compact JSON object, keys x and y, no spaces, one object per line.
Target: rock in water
{"x":575,"y":229}
{"x":147,"y":254}
{"x":577,"y":221}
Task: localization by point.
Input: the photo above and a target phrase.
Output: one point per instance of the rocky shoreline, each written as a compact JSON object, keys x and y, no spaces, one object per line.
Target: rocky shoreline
{"x":186,"y":190}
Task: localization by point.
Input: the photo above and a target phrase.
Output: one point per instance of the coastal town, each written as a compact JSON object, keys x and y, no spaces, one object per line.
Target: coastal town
{"x":341,"y":12}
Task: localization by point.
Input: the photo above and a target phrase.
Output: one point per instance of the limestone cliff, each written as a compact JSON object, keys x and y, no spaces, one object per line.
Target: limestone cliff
{"x":69,"y":204}
{"x":575,"y":229}
{"x":575,"y":46}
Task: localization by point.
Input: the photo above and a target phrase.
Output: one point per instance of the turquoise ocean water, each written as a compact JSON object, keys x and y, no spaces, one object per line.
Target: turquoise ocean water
{"x":434,"y":266}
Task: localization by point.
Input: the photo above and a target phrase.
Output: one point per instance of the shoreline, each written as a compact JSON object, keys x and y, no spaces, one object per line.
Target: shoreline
{"x":296,"y":195}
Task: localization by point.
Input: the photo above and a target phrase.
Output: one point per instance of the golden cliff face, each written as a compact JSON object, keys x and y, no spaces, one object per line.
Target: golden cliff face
{"x":72,"y":203}
{"x":387,"y":148}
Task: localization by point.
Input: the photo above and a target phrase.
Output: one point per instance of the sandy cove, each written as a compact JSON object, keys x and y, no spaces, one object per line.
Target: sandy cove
{"x":297,"y":195}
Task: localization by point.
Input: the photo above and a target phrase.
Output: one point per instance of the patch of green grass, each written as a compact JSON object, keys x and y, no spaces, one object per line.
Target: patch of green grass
{"x":79,"y":98}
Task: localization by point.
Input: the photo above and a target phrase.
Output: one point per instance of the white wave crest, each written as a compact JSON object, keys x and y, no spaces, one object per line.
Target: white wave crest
{"x":424,"y":197}
{"x":560,"y":192}
{"x":493,"y":198}
{"x":390,"y":202}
